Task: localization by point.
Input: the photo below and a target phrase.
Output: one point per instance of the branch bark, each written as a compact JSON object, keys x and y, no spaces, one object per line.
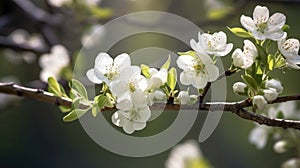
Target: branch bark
{"x":234,"y":107}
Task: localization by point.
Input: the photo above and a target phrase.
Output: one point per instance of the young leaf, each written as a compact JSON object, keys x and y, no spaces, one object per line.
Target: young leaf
{"x":271,"y":62}
{"x":167,"y":64}
{"x":145,"y":70}
{"x":280,"y":62}
{"x":77,"y":86}
{"x":54,"y":87}
{"x":190,"y":53}
{"x":240,"y":32}
{"x":75,"y":114}
{"x":250,"y":82}
{"x":64,"y":109}
{"x":285,"y":27}
{"x":95,"y":110}
{"x":172,"y":78}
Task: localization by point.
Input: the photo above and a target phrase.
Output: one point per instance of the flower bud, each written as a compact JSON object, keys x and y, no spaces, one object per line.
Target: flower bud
{"x":183,"y":97}
{"x":259,"y":102}
{"x":239,"y":87}
{"x":280,"y":146}
{"x":274,"y":84}
{"x":270,"y":94}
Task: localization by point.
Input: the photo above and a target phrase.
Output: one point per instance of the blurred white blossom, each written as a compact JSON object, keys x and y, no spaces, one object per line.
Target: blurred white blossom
{"x":280,"y":146}
{"x":59,"y":3}
{"x":93,"y":36}
{"x":54,"y":62}
{"x":262,"y":26}
{"x":259,"y":136}
{"x":182,"y":154}
{"x":291,"y":163}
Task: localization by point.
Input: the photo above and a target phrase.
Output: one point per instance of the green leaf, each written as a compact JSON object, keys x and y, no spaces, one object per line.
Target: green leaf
{"x":259,"y":70}
{"x":76,"y":103}
{"x":95,"y":110}
{"x":250,"y":82}
{"x":110,"y":101}
{"x":280,"y":62}
{"x":54,"y":87}
{"x":64,"y":109}
{"x":271,"y":62}
{"x":77,"y":86}
{"x":145,"y":70}
{"x":172,"y":78}
{"x":190,"y":53}
{"x":100,"y":12}
{"x":167,"y":64}
{"x":75,"y":114}
{"x":280,"y":115}
{"x":285,"y":27}
{"x":240,"y":32}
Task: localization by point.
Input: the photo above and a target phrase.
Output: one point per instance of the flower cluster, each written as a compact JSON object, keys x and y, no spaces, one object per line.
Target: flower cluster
{"x":134,"y":93}
{"x":256,"y":59}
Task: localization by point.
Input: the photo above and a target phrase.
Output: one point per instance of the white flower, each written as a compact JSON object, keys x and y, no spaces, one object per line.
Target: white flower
{"x":197,"y":70}
{"x":214,"y":44}
{"x":288,"y":109}
{"x":158,"y":78}
{"x":270,"y":94}
{"x":259,"y":102}
{"x":291,"y":163}
{"x":54,"y":62}
{"x":133,"y":112}
{"x":239,"y":87}
{"x":289,"y":48}
{"x":274,"y":84}
{"x":93,"y":36}
{"x":280,"y":146}
{"x":92,"y":2}
{"x":262,"y":26}
{"x":182,"y":154}
{"x":244,"y":59}
{"x":259,"y":136}
{"x":59,"y":3}
{"x":106,"y":69}
{"x":130,"y":80}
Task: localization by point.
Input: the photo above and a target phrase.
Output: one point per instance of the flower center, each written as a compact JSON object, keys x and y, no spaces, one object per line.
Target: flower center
{"x":112,"y":71}
{"x":134,"y":114}
{"x":131,"y":86}
{"x":199,"y":68}
{"x":290,"y":47}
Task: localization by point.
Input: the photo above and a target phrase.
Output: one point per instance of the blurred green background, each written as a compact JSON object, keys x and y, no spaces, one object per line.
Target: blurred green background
{"x":34,"y":135}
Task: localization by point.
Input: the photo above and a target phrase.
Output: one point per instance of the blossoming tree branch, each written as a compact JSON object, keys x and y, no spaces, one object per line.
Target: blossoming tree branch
{"x":136,"y":91}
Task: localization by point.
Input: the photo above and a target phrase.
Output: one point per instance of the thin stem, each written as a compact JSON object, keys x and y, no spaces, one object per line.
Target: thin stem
{"x":234,"y":107}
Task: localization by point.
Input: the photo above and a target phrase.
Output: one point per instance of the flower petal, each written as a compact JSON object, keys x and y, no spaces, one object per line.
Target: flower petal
{"x":185,"y":62}
{"x":228,"y":48}
{"x":139,"y":125}
{"x":118,"y":119}
{"x":92,"y":77}
{"x":199,"y":82}
{"x":260,"y":14}
{"x":276,"y":21}
{"x":122,"y":61}
{"x":213,"y":72}
{"x":128,"y":126}
{"x":102,"y":60}
{"x":185,"y":77}
{"x":247,"y":23}
{"x":118,"y":88}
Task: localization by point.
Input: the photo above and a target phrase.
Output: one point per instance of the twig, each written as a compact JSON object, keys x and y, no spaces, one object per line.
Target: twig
{"x":234,"y":107}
